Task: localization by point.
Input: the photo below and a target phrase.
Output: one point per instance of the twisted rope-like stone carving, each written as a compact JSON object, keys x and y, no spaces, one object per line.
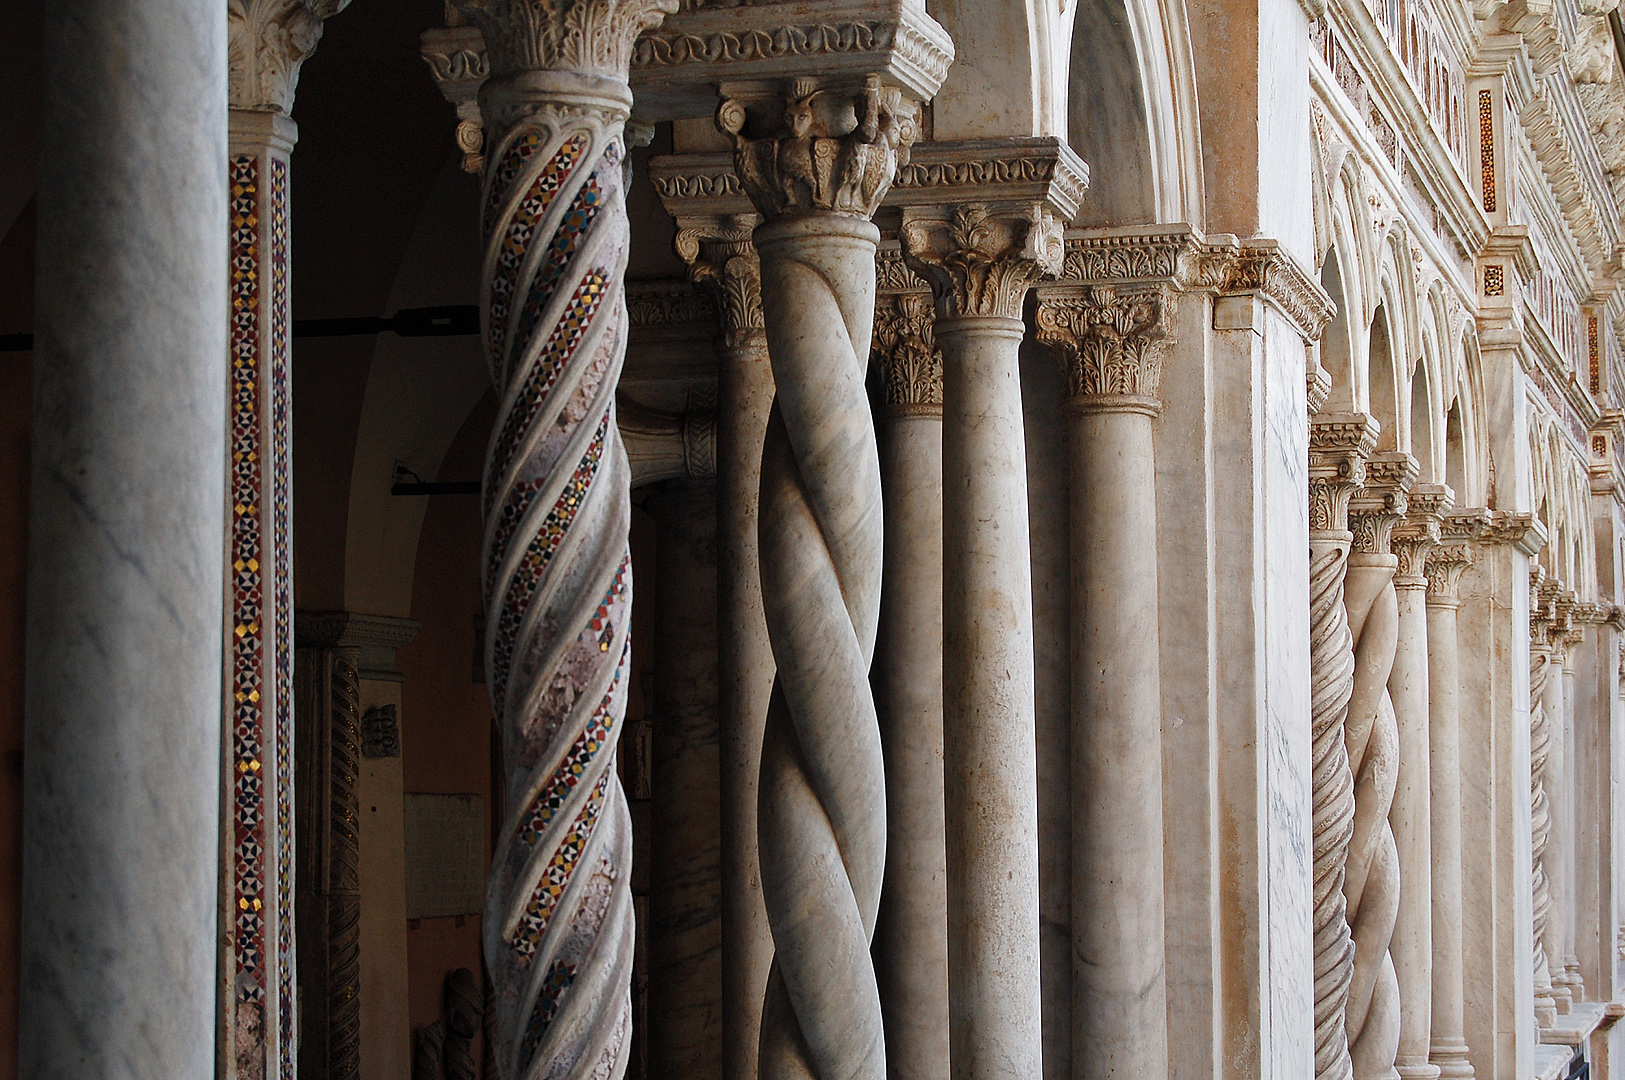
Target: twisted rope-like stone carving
{"x":1540,"y":815}
{"x":1338,"y":446}
{"x":556,"y":566}
{"x":344,"y":874}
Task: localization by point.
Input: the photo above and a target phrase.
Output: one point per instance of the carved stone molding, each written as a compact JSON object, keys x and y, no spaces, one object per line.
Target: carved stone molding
{"x":669,"y":305}
{"x":1112,"y":340}
{"x":1454,"y":553}
{"x":459,"y":65}
{"x":266,"y":41}
{"x":1013,"y":173}
{"x":1339,"y":444}
{"x":1523,"y":531}
{"x":978,"y":260}
{"x":904,"y":347}
{"x":1420,"y":531}
{"x":1382,"y":501}
{"x":587,"y":37}
{"x":799,"y":151}
{"x":666,"y":446}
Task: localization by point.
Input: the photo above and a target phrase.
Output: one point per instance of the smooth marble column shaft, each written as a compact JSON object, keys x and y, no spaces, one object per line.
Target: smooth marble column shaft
{"x":1448,"y":1040}
{"x":1559,"y":844}
{"x":122,"y":750}
{"x":685,"y":903}
{"x":1119,"y":987}
{"x":988,"y":713}
{"x":911,"y":935}
{"x":1411,"y":820}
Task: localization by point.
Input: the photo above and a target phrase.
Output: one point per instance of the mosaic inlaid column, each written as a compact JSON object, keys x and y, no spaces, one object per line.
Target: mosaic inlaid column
{"x":1445,"y":564}
{"x":558,"y":924}
{"x":1339,"y":444}
{"x":1112,"y":339}
{"x":120,"y":763}
{"x":821,"y":825}
{"x":980,"y":266}
{"x":1540,"y":818}
{"x":268,"y":41}
{"x":1560,"y":844}
{"x":911,"y":937}
{"x":1371,"y":883}
{"x":1411,"y":813}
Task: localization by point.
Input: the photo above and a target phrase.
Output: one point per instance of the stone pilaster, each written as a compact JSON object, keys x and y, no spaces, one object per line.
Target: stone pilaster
{"x":981,"y":246}
{"x":1410,"y":817}
{"x":267,"y":42}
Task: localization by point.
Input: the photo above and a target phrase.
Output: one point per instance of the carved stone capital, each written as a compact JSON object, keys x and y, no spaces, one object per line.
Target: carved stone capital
{"x":1521,"y":530}
{"x":1111,"y":340}
{"x":266,"y":41}
{"x":459,"y":66}
{"x":585,"y":37}
{"x":1006,"y":175}
{"x":1381,"y":502}
{"x":1415,"y":536}
{"x":815,"y":148}
{"x":722,"y":260}
{"x":1339,"y":444}
{"x":979,"y":260}
{"x":666,"y":446}
{"x":1446,"y":562}
{"x":904,"y":347}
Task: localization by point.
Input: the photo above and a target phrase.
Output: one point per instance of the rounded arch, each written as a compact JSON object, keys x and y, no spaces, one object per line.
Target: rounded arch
{"x":1423,"y":441}
{"x":1382,"y":376}
{"x":1132,"y":112}
{"x":1337,"y":342}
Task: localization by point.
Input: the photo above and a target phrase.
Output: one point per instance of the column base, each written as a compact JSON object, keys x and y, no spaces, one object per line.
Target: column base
{"x":1421,"y":1071}
{"x":1451,"y":1058}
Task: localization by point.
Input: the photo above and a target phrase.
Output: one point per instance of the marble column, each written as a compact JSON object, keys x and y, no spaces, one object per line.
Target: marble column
{"x":1540,"y":817}
{"x":911,"y":937}
{"x":556,"y":565}
{"x":1411,"y":814}
{"x":1444,"y":567}
{"x":122,"y":741}
{"x":1371,"y":883}
{"x":1113,"y":339}
{"x":267,"y":42}
{"x":1339,"y":444}
{"x":980,"y":265}
{"x":821,"y":820}
{"x":721,"y":257}
{"x":685,"y":902}
{"x":1572,"y":788}
{"x":1560,"y":842}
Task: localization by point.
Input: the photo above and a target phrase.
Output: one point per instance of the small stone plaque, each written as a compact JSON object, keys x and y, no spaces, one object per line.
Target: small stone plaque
{"x":445,"y":855}
{"x":381,"y":732}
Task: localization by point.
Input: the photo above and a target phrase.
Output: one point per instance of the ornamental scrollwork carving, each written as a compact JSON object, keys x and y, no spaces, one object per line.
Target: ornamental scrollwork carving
{"x":1381,"y":502}
{"x":266,"y":41}
{"x":904,"y":347}
{"x":1339,"y":444}
{"x":819,"y":149}
{"x":1111,"y":340}
{"x":981,"y":262}
{"x":589,"y":37}
{"x":1419,"y":532}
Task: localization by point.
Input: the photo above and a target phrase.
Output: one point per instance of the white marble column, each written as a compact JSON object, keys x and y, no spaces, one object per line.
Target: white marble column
{"x":1445,"y":563}
{"x":1411,"y":814}
{"x":684,"y":934}
{"x":1560,"y":838}
{"x":1113,"y":339}
{"x":122,"y":743}
{"x":1540,"y":815}
{"x":1573,"y":788}
{"x":556,"y":567}
{"x":911,"y":937}
{"x":821,"y":805}
{"x":1371,"y":883}
{"x":1339,"y":444}
{"x":980,"y":266}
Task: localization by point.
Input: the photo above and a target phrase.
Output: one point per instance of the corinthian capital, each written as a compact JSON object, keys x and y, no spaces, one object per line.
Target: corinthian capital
{"x":1420,"y":532}
{"x":814,"y":148}
{"x":266,"y":41}
{"x":979,"y":260}
{"x":904,"y":347}
{"x":1382,"y":501}
{"x":1111,"y":340}
{"x":1339,"y":444}
{"x":586,"y":37}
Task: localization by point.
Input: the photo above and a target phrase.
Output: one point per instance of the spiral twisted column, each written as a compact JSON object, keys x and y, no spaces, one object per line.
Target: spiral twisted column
{"x":556,"y":568}
{"x":1540,"y":817}
{"x":1559,"y":781}
{"x":1411,"y":813}
{"x":821,"y":817}
{"x":1371,"y":883}
{"x":1339,"y":444}
{"x":1446,"y":563}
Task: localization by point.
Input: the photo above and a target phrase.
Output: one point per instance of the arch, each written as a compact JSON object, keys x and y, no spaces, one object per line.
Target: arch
{"x":1421,"y":425}
{"x":1382,"y":376}
{"x":1337,"y":343}
{"x":1455,"y":454}
{"x":1009,"y":72}
{"x":1132,"y":112}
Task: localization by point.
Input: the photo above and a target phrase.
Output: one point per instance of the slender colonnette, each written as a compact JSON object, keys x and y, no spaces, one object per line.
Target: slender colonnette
{"x":817,"y":178}
{"x":556,"y":565}
{"x":1540,"y":809}
{"x":1339,"y":444}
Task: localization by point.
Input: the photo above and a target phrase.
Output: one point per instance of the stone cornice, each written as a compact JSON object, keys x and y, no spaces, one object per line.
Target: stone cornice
{"x":1521,"y":530}
{"x":348,"y":629}
{"x":266,"y":42}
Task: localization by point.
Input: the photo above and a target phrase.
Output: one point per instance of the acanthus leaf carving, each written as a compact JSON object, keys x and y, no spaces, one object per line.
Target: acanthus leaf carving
{"x":904,"y":347}
{"x":266,"y":42}
{"x":1111,"y":339}
{"x":981,"y":261}
{"x":587,"y":37}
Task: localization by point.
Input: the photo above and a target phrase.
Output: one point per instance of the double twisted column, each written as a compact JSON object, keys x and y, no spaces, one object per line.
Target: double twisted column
{"x":1371,"y":883}
{"x":1540,"y":810}
{"x":556,"y":566}
{"x":816,"y":179}
{"x":1339,"y":444}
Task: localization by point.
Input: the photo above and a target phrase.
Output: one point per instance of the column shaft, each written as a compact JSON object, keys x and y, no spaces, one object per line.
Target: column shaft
{"x":1118,"y":977}
{"x":1572,"y":790}
{"x":911,"y":936}
{"x":1559,"y":922}
{"x":1540,"y":807}
{"x":122,"y":731}
{"x":988,"y":734}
